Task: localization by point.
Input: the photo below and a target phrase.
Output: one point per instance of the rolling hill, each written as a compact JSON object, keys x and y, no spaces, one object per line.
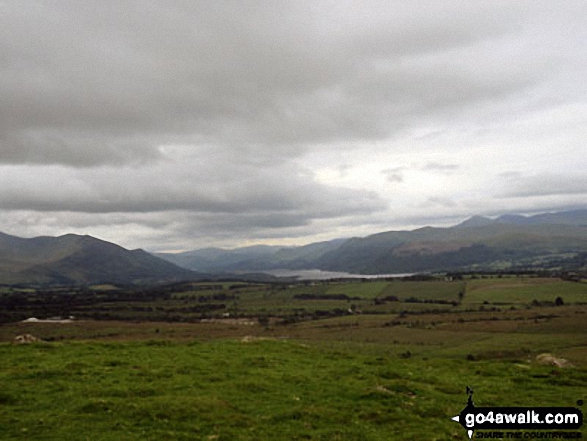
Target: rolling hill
{"x":218,"y":259}
{"x":73,"y":259}
{"x":551,"y":240}
{"x":494,"y":246}
{"x":255,"y":258}
{"x":546,"y":241}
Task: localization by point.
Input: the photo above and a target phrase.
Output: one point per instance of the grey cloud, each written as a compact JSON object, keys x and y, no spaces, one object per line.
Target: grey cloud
{"x":440,"y":168}
{"x":217,"y":185}
{"x":81,"y":150}
{"x":394,"y":174}
{"x":441,"y":201}
{"x":259,"y":74}
{"x":343,"y":169}
{"x":170,"y":230}
{"x":159,"y":121}
{"x":545,"y":185}
{"x":511,"y":175}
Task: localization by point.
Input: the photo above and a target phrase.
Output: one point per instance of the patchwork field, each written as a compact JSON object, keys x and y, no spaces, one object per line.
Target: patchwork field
{"x":384,"y":363}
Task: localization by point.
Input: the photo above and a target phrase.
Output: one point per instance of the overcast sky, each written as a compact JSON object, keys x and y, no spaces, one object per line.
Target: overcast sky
{"x":174,"y":125}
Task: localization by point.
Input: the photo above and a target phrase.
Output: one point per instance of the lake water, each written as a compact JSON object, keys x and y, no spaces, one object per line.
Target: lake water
{"x":316,"y":274}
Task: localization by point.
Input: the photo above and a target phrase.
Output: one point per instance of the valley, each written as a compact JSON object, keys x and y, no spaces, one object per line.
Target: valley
{"x":320,"y":341}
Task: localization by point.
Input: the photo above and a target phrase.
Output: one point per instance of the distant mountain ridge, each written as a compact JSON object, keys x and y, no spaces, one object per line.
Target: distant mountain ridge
{"x":551,"y":240}
{"x":509,"y":241}
{"x":74,"y":259}
{"x":575,"y":217}
{"x":218,"y":259}
{"x":253,"y":258}
{"x":494,"y":246}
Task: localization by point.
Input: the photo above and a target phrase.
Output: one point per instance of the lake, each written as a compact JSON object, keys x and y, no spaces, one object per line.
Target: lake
{"x":316,"y":274}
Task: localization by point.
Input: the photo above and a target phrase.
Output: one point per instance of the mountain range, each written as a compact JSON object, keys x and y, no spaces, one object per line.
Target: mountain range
{"x":507,"y":242}
{"x":545,"y":241}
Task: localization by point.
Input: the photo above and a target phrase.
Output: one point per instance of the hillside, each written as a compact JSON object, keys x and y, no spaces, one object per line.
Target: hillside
{"x":574,"y":217}
{"x":494,"y":246}
{"x":253,"y":258}
{"x":218,"y":259}
{"x":544,"y":241}
{"x":73,"y":259}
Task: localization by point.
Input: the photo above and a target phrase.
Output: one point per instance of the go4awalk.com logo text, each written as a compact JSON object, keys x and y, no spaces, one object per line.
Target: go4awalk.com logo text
{"x":520,"y":422}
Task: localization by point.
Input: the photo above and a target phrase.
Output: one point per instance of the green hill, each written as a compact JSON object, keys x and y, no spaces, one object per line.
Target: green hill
{"x":509,"y":242}
{"x":73,"y":259}
{"x":463,"y":247}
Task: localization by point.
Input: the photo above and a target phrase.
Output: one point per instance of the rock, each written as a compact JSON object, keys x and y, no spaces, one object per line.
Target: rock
{"x":25,"y":339}
{"x":551,"y":360}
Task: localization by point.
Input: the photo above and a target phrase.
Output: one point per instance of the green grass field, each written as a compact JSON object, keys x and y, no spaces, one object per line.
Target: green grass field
{"x":524,"y":291}
{"x":399,"y":373}
{"x":259,"y":389}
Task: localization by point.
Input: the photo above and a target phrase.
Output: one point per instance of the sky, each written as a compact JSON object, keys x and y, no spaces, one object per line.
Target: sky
{"x":176,"y":125}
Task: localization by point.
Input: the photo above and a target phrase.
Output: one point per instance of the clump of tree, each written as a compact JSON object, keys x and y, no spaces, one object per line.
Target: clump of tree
{"x":263,"y":321}
{"x":462,"y":292}
{"x":383,"y":300}
{"x":324,"y":297}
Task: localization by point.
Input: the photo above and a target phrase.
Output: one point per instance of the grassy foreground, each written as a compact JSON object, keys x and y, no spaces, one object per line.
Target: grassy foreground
{"x":255,"y":389}
{"x":370,"y":360}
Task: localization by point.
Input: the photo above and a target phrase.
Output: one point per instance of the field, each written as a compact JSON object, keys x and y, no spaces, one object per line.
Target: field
{"x":389,"y":360}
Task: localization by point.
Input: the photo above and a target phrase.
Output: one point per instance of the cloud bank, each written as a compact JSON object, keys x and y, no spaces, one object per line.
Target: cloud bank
{"x":185,"y":124}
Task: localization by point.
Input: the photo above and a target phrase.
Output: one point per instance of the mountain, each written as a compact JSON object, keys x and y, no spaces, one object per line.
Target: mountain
{"x":73,"y":259}
{"x":574,"y":217}
{"x":302,"y":257}
{"x":477,"y":221}
{"x":218,"y":259}
{"x":254,"y":258}
{"x":551,"y":240}
{"x":462,"y":247}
